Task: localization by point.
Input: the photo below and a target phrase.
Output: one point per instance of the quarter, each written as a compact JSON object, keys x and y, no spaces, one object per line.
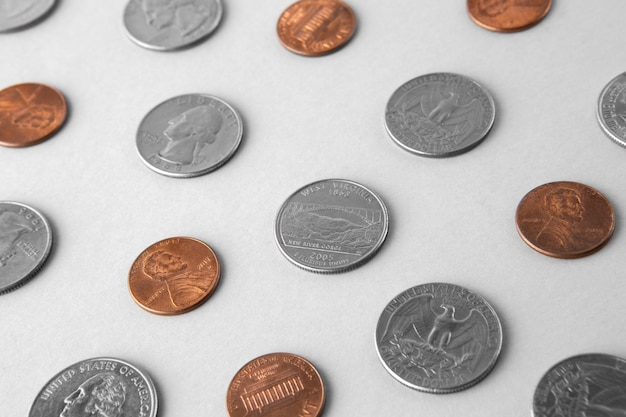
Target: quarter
{"x":507,"y":15}
{"x":331,"y":226}
{"x":611,"y":110}
{"x":438,"y":338}
{"x":439,"y":115}
{"x":18,"y":14}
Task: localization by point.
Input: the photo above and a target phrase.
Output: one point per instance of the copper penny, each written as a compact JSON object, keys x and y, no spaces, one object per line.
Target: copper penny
{"x":174,"y":276}
{"x":276,"y":385}
{"x":316,"y":27}
{"x":565,"y":219}
{"x":507,"y":15}
{"x":30,"y":113}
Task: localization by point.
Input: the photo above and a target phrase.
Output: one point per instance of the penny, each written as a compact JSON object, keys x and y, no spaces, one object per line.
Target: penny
{"x":189,"y":135}
{"x":25,"y":243}
{"x":18,"y":14}
{"x":583,"y":385}
{"x":316,"y":27}
{"x":97,"y":387}
{"x":30,"y":113}
{"x":565,"y":219}
{"x":166,"y":25}
{"x":438,"y":338}
{"x":612,"y":110}
{"x":174,"y":276}
{"x":331,"y":226}
{"x":276,"y":385}
{"x":507,"y":15}
{"x":439,"y":115}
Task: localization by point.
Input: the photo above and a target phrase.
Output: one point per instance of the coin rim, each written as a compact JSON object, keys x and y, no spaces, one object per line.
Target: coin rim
{"x":607,"y":131}
{"x":489,"y":27}
{"x":30,"y":22}
{"x":345,"y":268}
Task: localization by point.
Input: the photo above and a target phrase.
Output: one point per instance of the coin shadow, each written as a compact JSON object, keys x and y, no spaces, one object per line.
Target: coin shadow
{"x":36,"y":21}
{"x":328,"y":390}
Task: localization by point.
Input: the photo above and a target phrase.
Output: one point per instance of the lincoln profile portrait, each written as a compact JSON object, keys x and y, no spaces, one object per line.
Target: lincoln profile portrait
{"x":102,"y":395}
{"x":185,"y":16}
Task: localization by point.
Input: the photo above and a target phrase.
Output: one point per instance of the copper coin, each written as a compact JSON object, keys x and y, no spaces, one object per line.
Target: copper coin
{"x":565,"y":219}
{"x":174,"y":276}
{"x":507,"y":15}
{"x":276,"y":385}
{"x":30,"y":113}
{"x":316,"y":27}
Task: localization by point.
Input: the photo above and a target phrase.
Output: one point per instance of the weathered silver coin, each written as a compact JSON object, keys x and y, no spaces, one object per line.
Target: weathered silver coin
{"x":25,"y":243}
{"x":438,"y":338}
{"x":331,"y":226}
{"x":17,"y":14}
{"x":189,"y":135}
{"x":166,"y":25}
{"x":439,"y":115}
{"x":583,"y":385}
{"x":97,"y":387}
{"x":612,"y":110}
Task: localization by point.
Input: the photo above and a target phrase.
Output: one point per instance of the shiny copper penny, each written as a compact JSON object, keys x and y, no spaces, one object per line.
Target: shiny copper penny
{"x":276,"y":385}
{"x":316,"y":27}
{"x":174,"y":276}
{"x":507,"y":15}
{"x":565,"y":219}
{"x":30,"y":113}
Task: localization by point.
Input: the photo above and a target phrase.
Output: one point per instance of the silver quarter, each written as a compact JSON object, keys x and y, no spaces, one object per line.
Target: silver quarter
{"x":189,"y":135}
{"x":583,"y":385}
{"x":439,"y":115}
{"x":331,"y":226}
{"x":98,"y":386}
{"x":611,"y":111}
{"x":166,"y":25}
{"x":25,"y":243}
{"x":438,"y":338}
{"x":17,"y":14}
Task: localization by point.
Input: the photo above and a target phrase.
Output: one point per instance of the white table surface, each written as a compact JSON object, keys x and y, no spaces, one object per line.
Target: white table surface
{"x":306,"y":119}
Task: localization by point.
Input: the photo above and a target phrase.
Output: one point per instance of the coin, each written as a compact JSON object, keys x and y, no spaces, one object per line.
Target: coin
{"x":97,"y":387}
{"x":439,"y":115}
{"x":30,"y":113}
{"x":189,"y":135}
{"x":166,"y":25}
{"x":331,"y":226}
{"x":583,"y":385}
{"x":18,"y":14}
{"x":276,"y":385}
{"x":507,"y":15}
{"x":612,"y":110}
{"x":25,"y":243}
{"x":174,"y":276}
{"x":438,"y":338}
{"x":565,"y":219}
{"x":316,"y":27}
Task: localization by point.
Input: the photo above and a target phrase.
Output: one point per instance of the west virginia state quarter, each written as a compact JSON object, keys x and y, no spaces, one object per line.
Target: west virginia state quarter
{"x":25,"y":243}
{"x":331,"y":226}
{"x":592,"y":385}
{"x":439,"y":115}
{"x":97,"y":387}
{"x":189,"y":135}
{"x":438,"y":338}
{"x":612,"y":110}
{"x":17,"y":14}
{"x":165,"y":25}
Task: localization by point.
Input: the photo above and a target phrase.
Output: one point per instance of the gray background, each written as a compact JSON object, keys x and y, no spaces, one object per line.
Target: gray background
{"x":307,"y":119}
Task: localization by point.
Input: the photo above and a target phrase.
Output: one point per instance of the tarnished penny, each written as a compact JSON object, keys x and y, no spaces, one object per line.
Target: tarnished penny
{"x":30,"y":113}
{"x":507,"y":15}
{"x":174,"y":276}
{"x":276,"y":385}
{"x":565,"y":219}
{"x":316,"y":27}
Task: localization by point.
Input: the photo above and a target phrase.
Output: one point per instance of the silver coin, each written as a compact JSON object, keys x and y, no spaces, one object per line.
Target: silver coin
{"x":25,"y":243}
{"x":97,"y":387}
{"x":583,"y":385}
{"x":17,"y":14}
{"x":439,"y":115}
{"x":166,"y":25}
{"x":438,"y":338}
{"x":189,"y":135}
{"x":331,"y":226}
{"x":612,"y":110}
